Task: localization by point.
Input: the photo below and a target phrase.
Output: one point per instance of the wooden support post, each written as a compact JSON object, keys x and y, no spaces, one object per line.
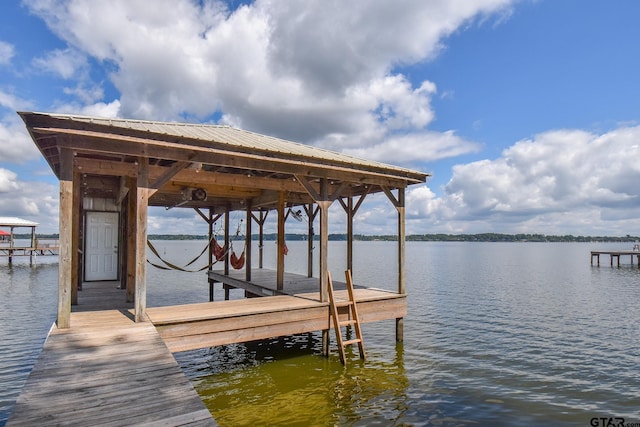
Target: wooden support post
{"x":311,"y":216}
{"x":281,"y":242}
{"x":142,"y":203}
{"x":402,"y":287}
{"x":350,"y":234}
{"x":210,"y":257}
{"x":247,"y":245}
{"x":75,"y":239}
{"x":226,"y":241}
{"x":263,"y":217}
{"x":33,"y":247}
{"x":132,"y":232}
{"x":399,"y":203}
{"x":65,"y":264}
{"x":324,"y":205}
{"x":351,"y":210}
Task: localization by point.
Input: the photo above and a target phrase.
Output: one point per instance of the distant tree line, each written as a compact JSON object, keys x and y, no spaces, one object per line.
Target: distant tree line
{"x":437,"y":237}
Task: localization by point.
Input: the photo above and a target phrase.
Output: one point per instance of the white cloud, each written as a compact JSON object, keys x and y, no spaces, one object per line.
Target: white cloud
{"x":316,"y":71}
{"x":12,"y":102}
{"x":7,"y":181}
{"x":99,"y":109}
{"x":65,"y":63}
{"x":6,"y":53}
{"x":558,"y":182}
{"x":416,"y":147}
{"x":15,"y":143}
{"x":36,"y":201}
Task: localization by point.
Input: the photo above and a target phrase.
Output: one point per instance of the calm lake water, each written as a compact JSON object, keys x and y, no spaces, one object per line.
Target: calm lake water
{"x":513,"y":334}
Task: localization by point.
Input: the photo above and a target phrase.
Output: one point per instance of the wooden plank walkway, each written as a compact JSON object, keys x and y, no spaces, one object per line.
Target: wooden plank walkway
{"x":108,"y":370}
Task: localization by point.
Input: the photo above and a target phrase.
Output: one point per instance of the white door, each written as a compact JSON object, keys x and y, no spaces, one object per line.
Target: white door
{"x":101,"y":246}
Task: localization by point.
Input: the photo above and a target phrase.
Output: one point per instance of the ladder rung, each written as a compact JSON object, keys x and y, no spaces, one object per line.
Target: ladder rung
{"x":348,"y":323}
{"x":353,"y":341}
{"x":344,"y":303}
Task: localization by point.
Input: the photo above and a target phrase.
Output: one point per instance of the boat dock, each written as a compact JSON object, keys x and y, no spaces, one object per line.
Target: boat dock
{"x":42,"y":247}
{"x":616,"y":255}
{"x":9,"y":246}
{"x":119,"y":369}
{"x":108,"y":369}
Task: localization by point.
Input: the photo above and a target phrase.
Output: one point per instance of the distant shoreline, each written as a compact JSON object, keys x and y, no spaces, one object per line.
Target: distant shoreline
{"x":438,"y":237}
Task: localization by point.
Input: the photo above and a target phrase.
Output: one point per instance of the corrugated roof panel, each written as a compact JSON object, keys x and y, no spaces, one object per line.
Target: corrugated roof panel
{"x":238,"y":138}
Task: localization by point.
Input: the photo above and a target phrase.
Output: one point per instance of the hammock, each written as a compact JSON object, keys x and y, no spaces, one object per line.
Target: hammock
{"x":218,"y":251}
{"x":170,"y":266}
{"x":236,"y":262}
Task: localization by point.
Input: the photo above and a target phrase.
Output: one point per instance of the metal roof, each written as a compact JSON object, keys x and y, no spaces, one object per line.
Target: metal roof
{"x":241,"y":140}
{"x":235,"y":167}
{"x":16,"y":222}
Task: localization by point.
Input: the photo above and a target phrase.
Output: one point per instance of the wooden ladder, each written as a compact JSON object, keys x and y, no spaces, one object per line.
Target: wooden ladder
{"x":353,"y":319}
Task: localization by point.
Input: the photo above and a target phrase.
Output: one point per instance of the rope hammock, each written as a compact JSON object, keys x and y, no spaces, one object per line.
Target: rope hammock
{"x":219,"y":252}
{"x":170,"y":266}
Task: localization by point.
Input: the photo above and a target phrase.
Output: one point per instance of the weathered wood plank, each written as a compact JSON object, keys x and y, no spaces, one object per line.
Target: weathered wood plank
{"x":107,"y":370}
{"x":227,"y":322}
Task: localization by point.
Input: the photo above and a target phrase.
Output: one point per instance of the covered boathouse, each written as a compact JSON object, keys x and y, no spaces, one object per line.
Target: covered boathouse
{"x":112,"y":170}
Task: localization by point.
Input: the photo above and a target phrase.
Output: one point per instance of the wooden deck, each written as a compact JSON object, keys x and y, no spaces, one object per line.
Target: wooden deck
{"x":191,"y":326}
{"x":617,"y":255}
{"x":263,"y":282}
{"x":107,"y":370}
{"x":294,"y":310}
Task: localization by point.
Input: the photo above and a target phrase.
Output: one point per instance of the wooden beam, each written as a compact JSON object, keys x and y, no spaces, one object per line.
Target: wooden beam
{"x":131,"y":240}
{"x":391,"y":196}
{"x":142,"y":202}
{"x":124,"y":190}
{"x":75,"y":239}
{"x":203,"y":216}
{"x":65,"y":256}
{"x":324,"y":203}
{"x":168,"y":174}
{"x":350,"y":215}
{"x":308,"y":186}
{"x":281,"y":242}
{"x":351,"y":210}
{"x":361,"y":199}
{"x":338,"y":190}
{"x":105,"y":167}
{"x":311,"y":215}
{"x":247,"y":243}
{"x":260,"y":220}
{"x":402,"y":289}
{"x":227,"y":215}
{"x":210,"y":222}
{"x":92,"y":141}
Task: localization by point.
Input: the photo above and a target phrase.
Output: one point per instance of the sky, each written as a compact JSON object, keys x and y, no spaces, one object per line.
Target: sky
{"x":526,"y":113}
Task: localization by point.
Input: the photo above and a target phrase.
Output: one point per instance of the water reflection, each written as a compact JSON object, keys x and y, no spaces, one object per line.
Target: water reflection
{"x":287,"y":381}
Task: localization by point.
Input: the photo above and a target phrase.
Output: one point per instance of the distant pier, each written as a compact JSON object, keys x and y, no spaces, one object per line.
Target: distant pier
{"x":42,"y":247}
{"x":635,"y":252}
{"x":9,"y":246}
